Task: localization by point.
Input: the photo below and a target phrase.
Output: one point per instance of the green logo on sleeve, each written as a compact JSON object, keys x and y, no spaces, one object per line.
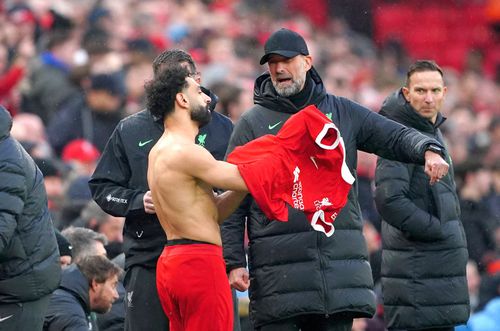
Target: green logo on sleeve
{"x":329,"y":115}
{"x":201,"y":139}
{"x":143,"y":143}
{"x":272,"y":126}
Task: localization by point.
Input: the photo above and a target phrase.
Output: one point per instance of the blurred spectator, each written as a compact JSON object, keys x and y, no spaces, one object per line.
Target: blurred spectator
{"x":374,"y":246}
{"x":85,"y":242}
{"x":477,"y":218}
{"x":54,"y":173}
{"x":359,"y":324}
{"x":494,"y":198}
{"x":232,"y":101}
{"x":89,"y":285}
{"x":93,"y":217}
{"x":492,"y":156}
{"x":487,"y":319}
{"x":473,"y":284}
{"x":76,"y":197}
{"x":138,"y":71}
{"x":29,"y":268}
{"x":366,"y":173}
{"x":12,"y":72}
{"x":65,"y":250}
{"x":81,"y":155}
{"x":92,"y":118}
{"x":29,"y":130}
{"x":48,"y":86}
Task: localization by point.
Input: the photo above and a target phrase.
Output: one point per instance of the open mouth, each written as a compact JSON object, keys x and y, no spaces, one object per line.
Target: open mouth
{"x":284,"y":80}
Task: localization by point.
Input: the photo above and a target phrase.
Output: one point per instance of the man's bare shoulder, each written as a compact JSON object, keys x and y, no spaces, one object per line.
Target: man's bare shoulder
{"x":180,"y":153}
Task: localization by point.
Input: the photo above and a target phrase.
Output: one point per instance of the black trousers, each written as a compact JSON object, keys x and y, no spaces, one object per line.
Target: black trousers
{"x":312,"y":322}
{"x":24,"y":315}
{"x":143,"y":311}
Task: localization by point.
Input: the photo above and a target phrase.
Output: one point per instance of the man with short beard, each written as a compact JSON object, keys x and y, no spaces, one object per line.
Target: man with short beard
{"x":301,"y":279}
{"x":191,"y":274}
{"x":87,"y":286}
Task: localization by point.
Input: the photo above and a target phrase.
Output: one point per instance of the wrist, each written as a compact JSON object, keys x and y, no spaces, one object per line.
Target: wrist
{"x":435,"y":149}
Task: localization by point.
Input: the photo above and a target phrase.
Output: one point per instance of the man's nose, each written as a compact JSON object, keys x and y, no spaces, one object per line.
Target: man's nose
{"x":208,"y":100}
{"x":280,"y":66}
{"x":429,"y":97}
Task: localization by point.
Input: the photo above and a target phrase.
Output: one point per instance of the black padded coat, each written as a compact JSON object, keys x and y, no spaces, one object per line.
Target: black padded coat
{"x":295,"y":270}
{"x":424,"y":246}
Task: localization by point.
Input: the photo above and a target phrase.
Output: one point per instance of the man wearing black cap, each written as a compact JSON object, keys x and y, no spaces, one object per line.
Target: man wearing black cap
{"x":301,"y":279}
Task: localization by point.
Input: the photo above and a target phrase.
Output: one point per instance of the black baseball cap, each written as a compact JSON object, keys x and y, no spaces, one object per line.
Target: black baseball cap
{"x":286,"y":43}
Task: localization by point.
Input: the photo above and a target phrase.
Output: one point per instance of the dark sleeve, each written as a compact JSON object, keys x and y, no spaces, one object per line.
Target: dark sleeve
{"x":233,"y":228}
{"x":67,"y":323}
{"x":64,"y":313}
{"x":392,"y":180}
{"x":389,"y":139}
{"x":12,"y":192}
{"x":109,"y":183}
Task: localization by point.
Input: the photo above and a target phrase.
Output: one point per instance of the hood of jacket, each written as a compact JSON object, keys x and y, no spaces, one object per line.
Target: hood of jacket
{"x":74,"y":282}
{"x":266,"y":96}
{"x":398,"y":109}
{"x":5,"y":123}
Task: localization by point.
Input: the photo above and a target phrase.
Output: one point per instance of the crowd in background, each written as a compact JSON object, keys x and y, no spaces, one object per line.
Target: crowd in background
{"x":70,"y":70}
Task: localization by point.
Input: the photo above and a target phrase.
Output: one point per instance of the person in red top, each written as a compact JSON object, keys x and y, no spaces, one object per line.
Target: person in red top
{"x":12,"y":72}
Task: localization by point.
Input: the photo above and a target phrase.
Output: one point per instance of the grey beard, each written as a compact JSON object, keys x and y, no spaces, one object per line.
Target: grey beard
{"x":289,"y":90}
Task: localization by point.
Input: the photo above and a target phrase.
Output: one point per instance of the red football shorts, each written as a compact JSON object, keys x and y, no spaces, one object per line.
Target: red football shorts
{"x":194,"y":289}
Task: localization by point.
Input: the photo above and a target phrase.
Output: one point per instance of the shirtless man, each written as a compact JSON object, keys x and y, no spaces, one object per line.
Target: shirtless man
{"x":191,"y":275}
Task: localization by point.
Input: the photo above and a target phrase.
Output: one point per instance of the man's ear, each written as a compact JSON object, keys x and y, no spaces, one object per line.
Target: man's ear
{"x":406,"y":93}
{"x":308,"y":61}
{"x":181,"y":99}
{"x":93,"y":285}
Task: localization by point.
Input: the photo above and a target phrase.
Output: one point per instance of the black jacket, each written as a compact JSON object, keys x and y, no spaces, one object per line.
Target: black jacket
{"x":119,"y":181}
{"x":69,"y":307}
{"x":295,"y":270}
{"x":424,"y":246}
{"x":29,"y":257}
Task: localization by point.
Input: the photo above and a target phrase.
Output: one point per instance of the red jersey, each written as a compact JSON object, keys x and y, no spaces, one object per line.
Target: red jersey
{"x":303,"y":166}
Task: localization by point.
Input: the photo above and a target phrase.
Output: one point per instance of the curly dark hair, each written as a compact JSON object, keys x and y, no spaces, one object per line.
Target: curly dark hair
{"x":161,"y":91}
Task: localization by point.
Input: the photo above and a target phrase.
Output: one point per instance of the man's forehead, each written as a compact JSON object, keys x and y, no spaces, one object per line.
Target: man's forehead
{"x":192,"y":82}
{"x":111,"y":279}
{"x":426,"y":78}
